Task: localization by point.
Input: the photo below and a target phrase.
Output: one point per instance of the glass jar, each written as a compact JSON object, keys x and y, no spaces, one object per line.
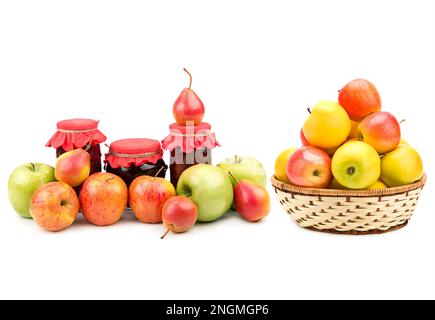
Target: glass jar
{"x":189,"y":145}
{"x":131,"y":158}
{"x":79,"y":133}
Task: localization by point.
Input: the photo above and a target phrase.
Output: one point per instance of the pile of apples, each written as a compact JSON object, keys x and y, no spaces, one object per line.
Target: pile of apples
{"x":53,"y":197}
{"x":351,"y":144}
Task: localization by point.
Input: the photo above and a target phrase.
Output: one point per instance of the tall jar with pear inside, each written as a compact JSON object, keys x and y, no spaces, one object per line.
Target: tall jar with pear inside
{"x":188,"y":145}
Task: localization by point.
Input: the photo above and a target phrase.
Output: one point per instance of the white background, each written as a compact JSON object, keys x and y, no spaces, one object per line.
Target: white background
{"x":257,"y":66}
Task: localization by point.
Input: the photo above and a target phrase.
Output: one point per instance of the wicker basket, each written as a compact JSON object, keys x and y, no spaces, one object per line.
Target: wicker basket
{"x":349,"y":211}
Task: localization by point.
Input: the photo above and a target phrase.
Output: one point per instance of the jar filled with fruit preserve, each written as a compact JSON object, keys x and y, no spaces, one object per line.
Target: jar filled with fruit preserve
{"x":79,"y":133}
{"x":189,"y":145}
{"x":131,"y":158}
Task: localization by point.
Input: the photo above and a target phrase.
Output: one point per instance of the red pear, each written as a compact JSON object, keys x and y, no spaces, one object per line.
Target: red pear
{"x":188,"y":108}
{"x":179,"y":214}
{"x":251,"y":199}
{"x":73,"y":167}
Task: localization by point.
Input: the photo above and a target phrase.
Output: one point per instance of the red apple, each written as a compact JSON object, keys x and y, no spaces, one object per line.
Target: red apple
{"x":179,"y":214}
{"x":360,"y":98}
{"x":188,"y":109}
{"x":381,"y":130}
{"x":251,"y":199}
{"x":147,"y":196}
{"x":54,"y":206}
{"x":309,"y":167}
{"x":103,"y":198}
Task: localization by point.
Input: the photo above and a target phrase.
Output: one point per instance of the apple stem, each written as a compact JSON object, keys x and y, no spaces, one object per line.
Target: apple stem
{"x":229,"y":172}
{"x":165,"y":234}
{"x":190,"y":77}
{"x":160,"y":170}
{"x":33,"y":166}
{"x":403,"y":120}
{"x":309,"y":110}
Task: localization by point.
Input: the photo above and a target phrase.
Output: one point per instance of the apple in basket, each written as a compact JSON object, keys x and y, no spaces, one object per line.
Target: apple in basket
{"x":360,"y":98}
{"x":309,"y":167}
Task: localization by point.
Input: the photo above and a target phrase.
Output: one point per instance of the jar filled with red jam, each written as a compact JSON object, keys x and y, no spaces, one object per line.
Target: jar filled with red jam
{"x":131,"y":158}
{"x":189,"y":145}
{"x":79,"y":133}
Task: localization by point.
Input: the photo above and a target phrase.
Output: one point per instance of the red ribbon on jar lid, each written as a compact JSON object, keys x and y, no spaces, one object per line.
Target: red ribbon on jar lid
{"x":133,"y":152}
{"x":76,"y":133}
{"x":190,"y":138}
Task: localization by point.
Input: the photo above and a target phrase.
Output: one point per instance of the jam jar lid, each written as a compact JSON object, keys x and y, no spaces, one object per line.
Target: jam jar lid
{"x":133,"y":152}
{"x":76,"y":133}
{"x":189,"y":138}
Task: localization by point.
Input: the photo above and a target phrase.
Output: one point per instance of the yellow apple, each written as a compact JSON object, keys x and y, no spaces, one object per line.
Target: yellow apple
{"x":377,"y":185}
{"x":328,"y":125}
{"x":401,"y":166}
{"x":356,"y":165}
{"x":281,"y":164}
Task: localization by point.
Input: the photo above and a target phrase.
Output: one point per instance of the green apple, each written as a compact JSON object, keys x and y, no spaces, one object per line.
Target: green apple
{"x":24,"y":181}
{"x":210,"y":188}
{"x":244,"y":168}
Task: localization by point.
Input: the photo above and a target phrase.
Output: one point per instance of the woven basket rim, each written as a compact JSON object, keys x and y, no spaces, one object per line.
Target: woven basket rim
{"x":347,"y":193}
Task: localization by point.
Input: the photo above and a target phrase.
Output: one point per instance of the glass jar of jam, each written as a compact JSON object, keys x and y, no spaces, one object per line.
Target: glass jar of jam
{"x":79,"y":133}
{"x":131,"y":158}
{"x":189,"y":145}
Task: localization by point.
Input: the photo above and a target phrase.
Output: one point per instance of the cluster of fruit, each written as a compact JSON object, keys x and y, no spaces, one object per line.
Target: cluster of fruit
{"x":351,"y":144}
{"x":53,"y":197}
{"x":204,"y":193}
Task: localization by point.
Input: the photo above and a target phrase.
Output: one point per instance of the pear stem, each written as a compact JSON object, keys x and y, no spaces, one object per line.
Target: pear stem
{"x":190,"y":77}
{"x":160,"y":170}
{"x":229,"y":172}
{"x":165,"y":234}
{"x":33,"y":166}
{"x":309,"y":110}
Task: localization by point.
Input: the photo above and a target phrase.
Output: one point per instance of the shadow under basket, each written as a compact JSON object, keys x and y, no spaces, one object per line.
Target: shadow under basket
{"x":350,"y":211}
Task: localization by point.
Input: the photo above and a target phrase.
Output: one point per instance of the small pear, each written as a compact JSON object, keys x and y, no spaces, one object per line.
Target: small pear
{"x":188,"y":108}
{"x":73,"y":167}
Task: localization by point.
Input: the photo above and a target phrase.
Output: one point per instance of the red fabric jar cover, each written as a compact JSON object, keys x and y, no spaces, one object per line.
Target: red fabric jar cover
{"x":189,"y":138}
{"x":128,"y":152}
{"x":76,"y":133}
